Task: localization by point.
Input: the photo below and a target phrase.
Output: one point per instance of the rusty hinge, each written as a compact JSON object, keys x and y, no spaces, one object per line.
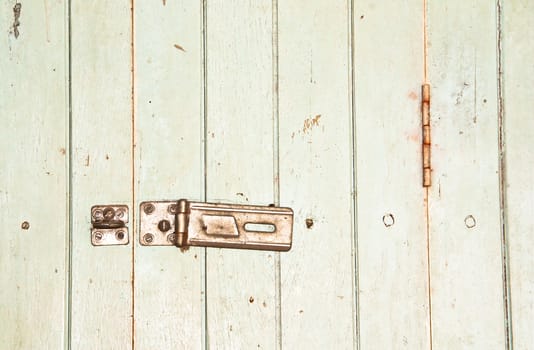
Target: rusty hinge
{"x":184,"y":223}
{"x":425,"y":114}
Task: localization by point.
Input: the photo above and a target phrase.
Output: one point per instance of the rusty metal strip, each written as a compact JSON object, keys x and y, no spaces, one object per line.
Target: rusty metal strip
{"x":183,"y":223}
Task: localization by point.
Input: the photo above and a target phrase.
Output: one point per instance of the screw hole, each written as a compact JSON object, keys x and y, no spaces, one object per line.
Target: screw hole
{"x":25,"y":225}
{"x":470,"y":221}
{"x":388,"y":220}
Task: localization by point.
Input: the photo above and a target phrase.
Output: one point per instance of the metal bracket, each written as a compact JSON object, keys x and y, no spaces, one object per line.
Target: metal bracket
{"x":109,"y":225}
{"x":183,"y":223}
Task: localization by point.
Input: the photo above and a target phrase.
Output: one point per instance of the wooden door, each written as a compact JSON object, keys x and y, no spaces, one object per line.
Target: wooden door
{"x":314,"y":105}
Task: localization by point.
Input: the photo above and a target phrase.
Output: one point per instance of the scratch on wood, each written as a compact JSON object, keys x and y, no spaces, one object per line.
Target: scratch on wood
{"x":87,"y":160}
{"x":179,"y":47}
{"x":47,"y":26}
{"x":16,"y":23}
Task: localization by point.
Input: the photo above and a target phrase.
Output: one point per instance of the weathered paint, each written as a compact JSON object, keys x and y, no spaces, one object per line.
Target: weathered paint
{"x":33,"y":175}
{"x":464,"y":210}
{"x":101,"y":142}
{"x":315,"y":105}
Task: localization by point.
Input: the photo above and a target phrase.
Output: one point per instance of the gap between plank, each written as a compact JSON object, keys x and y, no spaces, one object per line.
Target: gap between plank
{"x":70,"y":217}
{"x":426,"y":189}
{"x":133,"y":140}
{"x":276,"y":168}
{"x":507,"y":298}
{"x":353,"y":175}
{"x":204,"y":154}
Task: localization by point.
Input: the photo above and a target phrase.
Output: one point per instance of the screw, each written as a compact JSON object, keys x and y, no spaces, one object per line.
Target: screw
{"x":119,"y":235}
{"x":172,"y":208}
{"x":149,"y":208}
{"x":109,"y":213}
{"x":171,"y":238}
{"x":98,"y":236}
{"x":25,"y":225}
{"x":148,"y":238}
{"x":120,"y":213}
{"x":98,"y":215}
{"x":164,"y":225}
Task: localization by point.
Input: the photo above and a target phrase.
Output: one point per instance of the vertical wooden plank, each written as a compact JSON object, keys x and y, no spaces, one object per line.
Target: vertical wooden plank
{"x":465,"y":235}
{"x":33,"y":175}
{"x":168,"y":122}
{"x":101,"y":170}
{"x":240,"y":284}
{"x":517,"y":57}
{"x":317,"y":276}
{"x":391,"y":220}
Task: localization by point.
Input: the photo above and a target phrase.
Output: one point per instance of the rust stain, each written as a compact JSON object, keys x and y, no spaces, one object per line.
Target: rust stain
{"x":179,"y":47}
{"x":62,"y":151}
{"x":309,"y":123}
{"x":164,"y":2}
{"x":412,"y":95}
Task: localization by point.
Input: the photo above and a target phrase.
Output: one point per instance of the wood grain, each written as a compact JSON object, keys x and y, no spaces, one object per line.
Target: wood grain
{"x":317,"y":287}
{"x":101,"y":171}
{"x":465,"y":234}
{"x":168,"y":163}
{"x":241,"y":302}
{"x":391,"y":218}
{"x":33,"y":176}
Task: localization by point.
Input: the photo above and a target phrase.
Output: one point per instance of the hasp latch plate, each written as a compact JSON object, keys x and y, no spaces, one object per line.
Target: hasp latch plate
{"x":185,"y":223}
{"x":109,"y":225}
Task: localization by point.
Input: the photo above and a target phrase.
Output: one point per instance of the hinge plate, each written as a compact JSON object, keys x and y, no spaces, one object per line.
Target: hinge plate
{"x":109,"y":225}
{"x":184,"y":223}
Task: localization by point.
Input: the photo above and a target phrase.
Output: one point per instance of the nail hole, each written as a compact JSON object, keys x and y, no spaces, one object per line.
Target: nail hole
{"x":470,"y":221}
{"x":309,"y":223}
{"x":25,"y":225}
{"x":388,"y":220}
{"x":251,"y":300}
{"x":259,"y":227}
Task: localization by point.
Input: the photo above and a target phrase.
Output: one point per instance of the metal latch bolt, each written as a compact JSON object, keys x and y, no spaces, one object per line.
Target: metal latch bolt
{"x":184,"y":223}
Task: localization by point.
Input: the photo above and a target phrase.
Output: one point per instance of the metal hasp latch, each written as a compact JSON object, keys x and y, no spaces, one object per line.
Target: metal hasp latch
{"x":184,"y":223}
{"x":109,"y":225}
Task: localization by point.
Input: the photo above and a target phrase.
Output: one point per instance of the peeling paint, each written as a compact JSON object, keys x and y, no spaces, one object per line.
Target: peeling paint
{"x":16,"y":23}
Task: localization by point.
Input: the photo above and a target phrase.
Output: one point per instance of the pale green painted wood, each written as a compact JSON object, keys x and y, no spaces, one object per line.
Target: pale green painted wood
{"x":392,"y":260}
{"x":466,"y":265}
{"x":101,"y":170}
{"x":317,"y":283}
{"x":168,"y":121}
{"x":33,"y":176}
{"x":241,"y":289}
{"x":518,"y":58}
